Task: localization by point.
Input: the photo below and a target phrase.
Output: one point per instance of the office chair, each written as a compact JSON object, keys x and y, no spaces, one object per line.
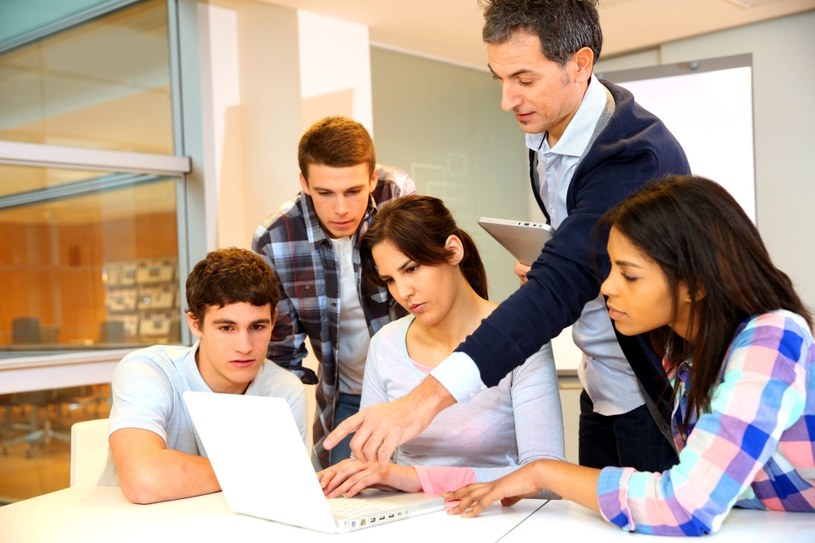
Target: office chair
{"x":25,"y":330}
{"x":111,"y":332}
{"x":89,"y":451}
{"x":28,"y":420}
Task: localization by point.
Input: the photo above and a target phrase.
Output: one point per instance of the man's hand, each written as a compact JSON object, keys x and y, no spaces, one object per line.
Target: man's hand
{"x":521,"y":270}
{"x":380,"y":428}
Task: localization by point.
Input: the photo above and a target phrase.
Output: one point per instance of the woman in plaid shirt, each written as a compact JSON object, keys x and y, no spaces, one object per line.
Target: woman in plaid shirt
{"x":736,"y":339}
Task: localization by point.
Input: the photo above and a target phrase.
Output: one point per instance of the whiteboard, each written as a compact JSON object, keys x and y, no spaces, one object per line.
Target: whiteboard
{"x":708,"y":106}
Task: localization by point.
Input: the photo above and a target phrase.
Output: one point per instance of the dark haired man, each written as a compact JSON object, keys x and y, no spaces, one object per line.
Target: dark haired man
{"x":155,"y":455}
{"x":590,"y":146}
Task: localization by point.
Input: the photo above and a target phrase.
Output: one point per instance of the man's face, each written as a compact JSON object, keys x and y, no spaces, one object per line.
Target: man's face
{"x":543,"y":95}
{"x":233,"y":343}
{"x":340,"y":196}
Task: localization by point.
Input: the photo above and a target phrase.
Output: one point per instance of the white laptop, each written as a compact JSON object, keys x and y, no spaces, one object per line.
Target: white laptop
{"x":524,"y":239}
{"x":264,"y":470}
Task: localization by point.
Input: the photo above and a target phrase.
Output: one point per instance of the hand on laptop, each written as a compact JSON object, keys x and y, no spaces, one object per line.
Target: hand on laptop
{"x":380,"y":428}
{"x":350,"y":477}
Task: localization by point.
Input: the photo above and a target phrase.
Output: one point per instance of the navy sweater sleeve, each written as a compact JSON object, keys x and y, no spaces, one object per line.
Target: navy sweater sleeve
{"x":633,"y":149}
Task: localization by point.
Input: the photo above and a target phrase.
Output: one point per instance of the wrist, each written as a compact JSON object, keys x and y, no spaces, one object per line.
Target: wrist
{"x":431,"y":397}
{"x":403,"y":478}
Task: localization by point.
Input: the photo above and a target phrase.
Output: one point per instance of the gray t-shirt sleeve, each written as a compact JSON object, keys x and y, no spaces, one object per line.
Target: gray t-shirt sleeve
{"x":142,"y":396}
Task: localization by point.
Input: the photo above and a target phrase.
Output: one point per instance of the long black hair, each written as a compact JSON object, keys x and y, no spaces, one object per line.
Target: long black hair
{"x":699,"y":236}
{"x":419,"y":227}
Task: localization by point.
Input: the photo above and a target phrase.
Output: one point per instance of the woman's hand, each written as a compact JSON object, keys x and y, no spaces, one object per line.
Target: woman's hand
{"x":508,"y":489}
{"x":350,"y":477}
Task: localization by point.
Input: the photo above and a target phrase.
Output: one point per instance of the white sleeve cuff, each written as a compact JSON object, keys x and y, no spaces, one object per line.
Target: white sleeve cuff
{"x":460,"y":376}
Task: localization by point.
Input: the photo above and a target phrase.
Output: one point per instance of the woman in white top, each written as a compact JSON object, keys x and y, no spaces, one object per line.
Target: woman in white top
{"x":432,"y":268}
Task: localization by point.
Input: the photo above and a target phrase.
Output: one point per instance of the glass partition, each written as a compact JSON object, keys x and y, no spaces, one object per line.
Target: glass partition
{"x":93,"y":269}
{"x":102,"y":84}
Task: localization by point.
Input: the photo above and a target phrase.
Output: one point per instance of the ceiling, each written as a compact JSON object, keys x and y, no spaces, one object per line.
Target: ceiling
{"x":451,"y":29}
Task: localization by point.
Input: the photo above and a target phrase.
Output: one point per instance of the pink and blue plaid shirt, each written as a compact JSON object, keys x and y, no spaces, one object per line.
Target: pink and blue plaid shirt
{"x":754,"y":449}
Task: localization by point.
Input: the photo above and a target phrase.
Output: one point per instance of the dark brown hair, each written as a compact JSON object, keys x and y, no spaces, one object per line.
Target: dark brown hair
{"x":337,"y":142}
{"x":699,"y":235}
{"x":228,"y":276}
{"x":419,"y":227}
{"x":562,"y":26}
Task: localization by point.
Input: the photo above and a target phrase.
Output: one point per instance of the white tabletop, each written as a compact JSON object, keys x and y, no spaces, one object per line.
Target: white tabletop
{"x":560,"y":520}
{"x":103,"y":515}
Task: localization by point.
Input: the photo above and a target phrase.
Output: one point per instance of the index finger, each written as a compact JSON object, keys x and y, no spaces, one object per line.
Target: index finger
{"x":348,"y":426}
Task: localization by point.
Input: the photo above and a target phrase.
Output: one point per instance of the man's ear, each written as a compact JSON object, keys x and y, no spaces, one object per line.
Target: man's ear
{"x":194,"y":324}
{"x":304,"y":184}
{"x":584,"y":64}
{"x":455,"y":247}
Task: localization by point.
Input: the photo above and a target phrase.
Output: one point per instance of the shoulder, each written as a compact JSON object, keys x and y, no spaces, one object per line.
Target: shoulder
{"x":634,"y":130}
{"x":780,"y":328}
{"x":290,"y":212}
{"x":155,"y":355}
{"x":392,"y":332}
{"x":776,"y":344}
{"x":392,"y":183}
{"x":387,"y":346}
{"x":275,"y":379}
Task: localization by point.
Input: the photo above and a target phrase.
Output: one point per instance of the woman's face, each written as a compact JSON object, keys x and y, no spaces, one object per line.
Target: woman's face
{"x":639,"y":295}
{"x":426,"y":291}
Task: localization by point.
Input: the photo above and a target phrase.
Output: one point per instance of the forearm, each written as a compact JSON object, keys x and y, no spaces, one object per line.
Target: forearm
{"x":571,"y":481}
{"x":150,"y":472}
{"x":168,"y":475}
{"x":431,"y":397}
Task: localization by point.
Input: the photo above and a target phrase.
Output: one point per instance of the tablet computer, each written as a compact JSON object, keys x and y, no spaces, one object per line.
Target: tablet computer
{"x":524,"y":239}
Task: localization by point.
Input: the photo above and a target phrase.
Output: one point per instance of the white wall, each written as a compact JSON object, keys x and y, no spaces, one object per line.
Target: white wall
{"x":335,"y":69}
{"x":252,"y":114}
{"x":784,"y":113}
{"x":269,"y":73}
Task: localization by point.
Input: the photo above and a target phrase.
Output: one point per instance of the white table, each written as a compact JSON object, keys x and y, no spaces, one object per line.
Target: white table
{"x":563,"y":520}
{"x":103,"y":515}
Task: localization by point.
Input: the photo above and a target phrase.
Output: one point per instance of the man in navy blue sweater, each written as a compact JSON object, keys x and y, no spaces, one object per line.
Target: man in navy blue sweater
{"x":590,"y":146}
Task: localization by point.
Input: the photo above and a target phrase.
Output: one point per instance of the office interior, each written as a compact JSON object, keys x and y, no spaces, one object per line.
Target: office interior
{"x":137,"y":135}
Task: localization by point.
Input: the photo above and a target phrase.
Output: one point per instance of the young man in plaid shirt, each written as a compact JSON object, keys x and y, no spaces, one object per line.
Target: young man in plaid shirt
{"x":311,"y":243}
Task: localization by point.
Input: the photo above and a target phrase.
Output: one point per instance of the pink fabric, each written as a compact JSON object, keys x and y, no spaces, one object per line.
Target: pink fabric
{"x":439,"y":479}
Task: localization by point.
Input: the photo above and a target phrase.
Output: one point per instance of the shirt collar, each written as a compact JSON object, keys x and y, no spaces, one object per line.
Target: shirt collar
{"x":576,"y":137}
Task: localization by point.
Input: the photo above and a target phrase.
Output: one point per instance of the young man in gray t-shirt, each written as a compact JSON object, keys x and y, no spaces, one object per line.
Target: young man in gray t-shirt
{"x":155,"y":452}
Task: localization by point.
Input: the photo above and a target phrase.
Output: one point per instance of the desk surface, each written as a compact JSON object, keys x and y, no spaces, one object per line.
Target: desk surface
{"x":561,"y":519}
{"x":102,"y":514}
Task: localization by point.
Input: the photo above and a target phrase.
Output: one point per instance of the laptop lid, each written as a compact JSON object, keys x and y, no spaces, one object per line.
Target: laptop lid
{"x":523,"y":239}
{"x":264,"y":469}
